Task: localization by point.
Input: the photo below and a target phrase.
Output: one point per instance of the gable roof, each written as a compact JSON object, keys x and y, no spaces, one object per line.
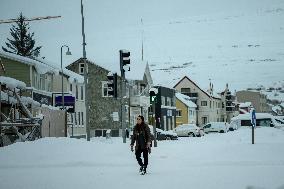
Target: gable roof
{"x":185,"y":77}
{"x":137,"y":69}
{"x":186,"y":100}
{"x":42,"y":66}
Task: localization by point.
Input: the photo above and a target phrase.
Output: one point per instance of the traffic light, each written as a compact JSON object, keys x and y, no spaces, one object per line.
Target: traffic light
{"x":124,"y":59}
{"x":153,"y":95}
{"x":112,"y":84}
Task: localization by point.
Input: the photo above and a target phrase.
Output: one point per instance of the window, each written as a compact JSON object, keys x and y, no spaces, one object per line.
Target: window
{"x":209,"y":103}
{"x":81,"y":68}
{"x":79,"y":115}
{"x":203,"y":103}
{"x":75,"y":116}
{"x":71,"y":116}
{"x":49,"y":84}
{"x":82,"y":118}
{"x":169,"y":101}
{"x":207,"y":126}
{"x":179,"y":113}
{"x":71,"y":87}
{"x":82,"y":93}
{"x":42,"y":82}
{"x":163,"y":101}
{"x":76,"y":92}
{"x":104,"y":89}
{"x":142,"y":87}
{"x":185,"y":90}
{"x":191,"y":112}
{"x":173,"y":102}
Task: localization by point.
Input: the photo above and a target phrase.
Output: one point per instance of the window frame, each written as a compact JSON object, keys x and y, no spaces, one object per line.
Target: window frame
{"x":202,"y":103}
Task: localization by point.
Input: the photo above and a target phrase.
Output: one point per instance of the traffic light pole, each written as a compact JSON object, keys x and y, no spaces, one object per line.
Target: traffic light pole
{"x":154,"y":123}
{"x":123,"y":94}
{"x":124,"y":60}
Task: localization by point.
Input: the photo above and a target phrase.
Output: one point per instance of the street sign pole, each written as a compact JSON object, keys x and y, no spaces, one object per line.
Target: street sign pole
{"x":252,"y":134}
{"x":253,"y":122}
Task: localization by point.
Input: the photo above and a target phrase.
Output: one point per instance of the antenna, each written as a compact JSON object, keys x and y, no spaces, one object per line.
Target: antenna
{"x":142,"y":50}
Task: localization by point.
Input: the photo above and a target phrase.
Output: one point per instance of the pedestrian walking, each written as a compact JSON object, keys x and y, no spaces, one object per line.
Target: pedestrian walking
{"x":142,"y":140}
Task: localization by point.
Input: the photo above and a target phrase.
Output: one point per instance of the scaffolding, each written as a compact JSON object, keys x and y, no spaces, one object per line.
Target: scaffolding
{"x":18,"y":123}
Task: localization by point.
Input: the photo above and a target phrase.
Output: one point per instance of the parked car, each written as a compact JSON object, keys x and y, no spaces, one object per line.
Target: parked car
{"x":221,"y":127}
{"x":233,"y":126}
{"x":163,"y":135}
{"x":262,"y":120}
{"x":188,"y":130}
{"x":171,"y":135}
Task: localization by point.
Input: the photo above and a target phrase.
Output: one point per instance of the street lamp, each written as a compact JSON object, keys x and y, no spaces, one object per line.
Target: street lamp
{"x":67,"y":53}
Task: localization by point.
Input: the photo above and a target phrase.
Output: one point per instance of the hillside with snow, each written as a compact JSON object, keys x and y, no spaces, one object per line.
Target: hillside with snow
{"x":226,"y":41}
{"x":244,"y":48}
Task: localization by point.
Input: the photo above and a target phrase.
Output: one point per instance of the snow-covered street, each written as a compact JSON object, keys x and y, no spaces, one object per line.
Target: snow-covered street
{"x":214,"y":161}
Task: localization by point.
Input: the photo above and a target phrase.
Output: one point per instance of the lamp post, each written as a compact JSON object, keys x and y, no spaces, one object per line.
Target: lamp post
{"x":62,"y":91}
{"x":85,"y":73}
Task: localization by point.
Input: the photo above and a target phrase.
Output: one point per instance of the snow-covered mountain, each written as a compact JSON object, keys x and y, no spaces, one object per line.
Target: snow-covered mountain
{"x":226,"y":41}
{"x":243,"y":48}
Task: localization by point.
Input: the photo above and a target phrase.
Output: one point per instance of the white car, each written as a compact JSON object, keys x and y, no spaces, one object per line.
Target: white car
{"x":188,"y":130}
{"x":221,"y":127}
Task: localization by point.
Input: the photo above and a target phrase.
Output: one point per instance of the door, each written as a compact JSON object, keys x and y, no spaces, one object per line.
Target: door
{"x":169,"y":124}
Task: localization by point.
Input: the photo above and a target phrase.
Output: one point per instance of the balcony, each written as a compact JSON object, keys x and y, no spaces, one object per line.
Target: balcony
{"x":142,"y":101}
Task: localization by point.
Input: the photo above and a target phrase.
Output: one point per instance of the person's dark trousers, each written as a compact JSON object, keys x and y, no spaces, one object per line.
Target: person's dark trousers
{"x":145,"y":156}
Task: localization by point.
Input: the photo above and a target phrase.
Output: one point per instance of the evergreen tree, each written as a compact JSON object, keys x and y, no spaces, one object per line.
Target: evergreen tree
{"x":22,"y":42}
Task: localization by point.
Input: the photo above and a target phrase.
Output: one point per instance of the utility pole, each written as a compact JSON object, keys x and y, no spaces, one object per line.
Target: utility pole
{"x":153,"y":92}
{"x":85,"y":74}
{"x":123,"y":94}
{"x":124,"y":63}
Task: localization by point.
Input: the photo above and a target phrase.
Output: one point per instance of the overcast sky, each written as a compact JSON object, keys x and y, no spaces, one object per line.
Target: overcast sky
{"x":110,"y":24}
{"x":174,"y":30}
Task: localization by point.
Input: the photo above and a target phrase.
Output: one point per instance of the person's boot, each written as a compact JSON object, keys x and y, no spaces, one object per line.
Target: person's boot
{"x":141,"y":169}
{"x":144,"y":170}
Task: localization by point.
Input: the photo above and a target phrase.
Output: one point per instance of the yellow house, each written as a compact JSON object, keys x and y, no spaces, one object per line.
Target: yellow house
{"x":185,"y":110}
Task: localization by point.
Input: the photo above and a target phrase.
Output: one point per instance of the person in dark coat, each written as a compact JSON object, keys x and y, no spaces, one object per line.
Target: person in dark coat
{"x":142,"y":139}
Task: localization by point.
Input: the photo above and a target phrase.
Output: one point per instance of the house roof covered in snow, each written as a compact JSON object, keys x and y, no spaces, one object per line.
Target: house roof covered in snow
{"x":42,"y":66}
{"x":186,"y":100}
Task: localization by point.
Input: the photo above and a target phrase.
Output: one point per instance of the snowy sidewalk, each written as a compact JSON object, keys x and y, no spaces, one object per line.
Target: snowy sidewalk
{"x":220,"y":161}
